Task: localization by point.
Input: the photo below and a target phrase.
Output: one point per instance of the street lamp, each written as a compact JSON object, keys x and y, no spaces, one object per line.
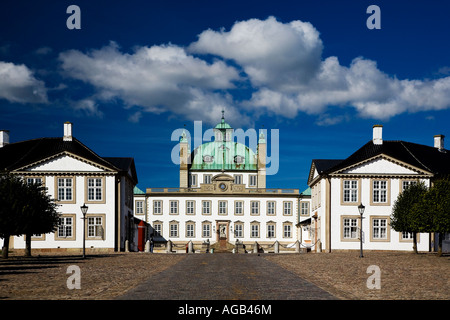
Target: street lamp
{"x":84,"y":209}
{"x":361,"y":209}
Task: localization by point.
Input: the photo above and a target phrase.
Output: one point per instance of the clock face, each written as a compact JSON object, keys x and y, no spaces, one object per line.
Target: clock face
{"x":222,"y":186}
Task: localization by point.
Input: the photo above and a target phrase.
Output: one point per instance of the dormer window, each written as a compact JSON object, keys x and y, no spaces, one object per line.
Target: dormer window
{"x":208,"y":159}
{"x":239,"y":159}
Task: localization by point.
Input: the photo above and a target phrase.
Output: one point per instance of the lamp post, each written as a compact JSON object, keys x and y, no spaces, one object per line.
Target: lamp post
{"x":84,"y":209}
{"x":361,"y":209}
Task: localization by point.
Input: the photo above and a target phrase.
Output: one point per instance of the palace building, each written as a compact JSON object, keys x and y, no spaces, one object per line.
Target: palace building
{"x":222,"y":200}
{"x":374,"y":176}
{"x":75,"y":175}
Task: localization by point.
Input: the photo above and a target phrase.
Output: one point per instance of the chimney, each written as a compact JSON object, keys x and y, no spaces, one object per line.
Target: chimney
{"x":377,"y":134}
{"x":439,"y":141}
{"x":67,"y":131}
{"x":4,"y":138}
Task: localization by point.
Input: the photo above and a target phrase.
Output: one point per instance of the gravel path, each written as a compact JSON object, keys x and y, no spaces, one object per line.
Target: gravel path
{"x":344,"y":275}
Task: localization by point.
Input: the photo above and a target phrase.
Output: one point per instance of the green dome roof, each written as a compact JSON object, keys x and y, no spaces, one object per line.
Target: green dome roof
{"x":223,"y":125}
{"x":211,"y":156}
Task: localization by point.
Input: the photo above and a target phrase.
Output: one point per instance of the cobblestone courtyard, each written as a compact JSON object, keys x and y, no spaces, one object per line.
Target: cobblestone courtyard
{"x":404,"y":275}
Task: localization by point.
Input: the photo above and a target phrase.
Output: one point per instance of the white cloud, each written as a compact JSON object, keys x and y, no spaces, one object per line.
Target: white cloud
{"x":281,"y":62}
{"x":18,"y":84}
{"x":157,"y":79}
{"x":273,"y":54}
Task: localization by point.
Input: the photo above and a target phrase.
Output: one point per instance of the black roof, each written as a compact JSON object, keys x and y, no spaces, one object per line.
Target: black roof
{"x":424,"y":157}
{"x":17,"y":155}
{"x":124,"y":165}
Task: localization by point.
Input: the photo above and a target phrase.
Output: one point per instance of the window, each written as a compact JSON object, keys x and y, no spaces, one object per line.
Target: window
{"x":65,"y":227}
{"x":223,"y":207}
{"x":379,"y":194}
{"x":95,"y":189}
{"x":287,"y":208}
{"x":157,"y":226}
{"x":379,"y":229}
{"x":350,"y":191}
{"x":252,"y":180}
{"x":206,"y":230}
{"x":34,"y":181}
{"x":238,"y":179}
{"x":270,"y":208}
{"x":65,"y":189}
{"x":287,"y":230}
{"x":190,"y":227}
{"x":95,"y":227}
{"x":304,"y":208}
{"x":157,"y":206}
{"x":193,"y":180}
{"x":406,"y":235}
{"x":254,"y":207}
{"x":139,"y":207}
{"x":238,"y":207}
{"x":350,"y":228}
{"x":255,"y":230}
{"x":174,"y":230}
{"x":206,"y":207}
{"x":207,"y":179}
{"x":407,"y":183}
{"x":271,"y":230}
{"x":173,"y":207}
{"x":190,"y":207}
{"x":238,"y":230}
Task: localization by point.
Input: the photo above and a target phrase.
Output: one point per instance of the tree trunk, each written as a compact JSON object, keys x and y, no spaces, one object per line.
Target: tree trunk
{"x":415,"y":242}
{"x":5,"y":247}
{"x":28,"y":245}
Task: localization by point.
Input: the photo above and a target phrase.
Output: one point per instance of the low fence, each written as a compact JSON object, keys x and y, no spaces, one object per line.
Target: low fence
{"x":238,"y":247}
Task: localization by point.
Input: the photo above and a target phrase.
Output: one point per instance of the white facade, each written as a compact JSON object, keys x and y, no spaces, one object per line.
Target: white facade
{"x":182,"y":217}
{"x":375,"y":181}
{"x":73,"y":180}
{"x":222,"y":198}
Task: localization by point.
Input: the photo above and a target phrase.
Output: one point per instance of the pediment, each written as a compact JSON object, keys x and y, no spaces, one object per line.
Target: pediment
{"x":381,"y":164}
{"x":223,"y":177}
{"x":65,"y":162}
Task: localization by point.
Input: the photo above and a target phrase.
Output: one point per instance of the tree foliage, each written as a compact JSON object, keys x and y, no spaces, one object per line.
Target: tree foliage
{"x":406,"y":216}
{"x":25,"y":209}
{"x":418,"y":209}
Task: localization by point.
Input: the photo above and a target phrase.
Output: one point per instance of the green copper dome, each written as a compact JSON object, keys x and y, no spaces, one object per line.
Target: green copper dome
{"x":223,"y":125}
{"x":223,"y":155}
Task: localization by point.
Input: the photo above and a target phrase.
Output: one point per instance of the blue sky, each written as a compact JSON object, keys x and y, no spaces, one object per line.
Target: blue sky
{"x":138,"y":70}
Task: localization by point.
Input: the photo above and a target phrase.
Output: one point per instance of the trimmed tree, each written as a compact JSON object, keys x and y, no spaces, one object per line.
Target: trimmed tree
{"x":436,"y":205}
{"x":12,"y":190}
{"x":406,"y":215}
{"x":39,"y":214}
{"x":25,"y":209}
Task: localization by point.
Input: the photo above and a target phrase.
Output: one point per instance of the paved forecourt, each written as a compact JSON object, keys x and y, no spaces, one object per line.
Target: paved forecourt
{"x":224,"y":276}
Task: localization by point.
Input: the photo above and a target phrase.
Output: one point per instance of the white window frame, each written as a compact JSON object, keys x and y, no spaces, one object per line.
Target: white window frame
{"x":223,"y":207}
{"x":94,"y":189}
{"x":139,"y":207}
{"x":380,"y":191}
{"x":271,"y":208}
{"x":239,"y":207}
{"x":65,"y":191}
{"x":65,"y":227}
{"x":350,"y":191}
{"x":173,"y":206}
{"x":190,"y":207}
